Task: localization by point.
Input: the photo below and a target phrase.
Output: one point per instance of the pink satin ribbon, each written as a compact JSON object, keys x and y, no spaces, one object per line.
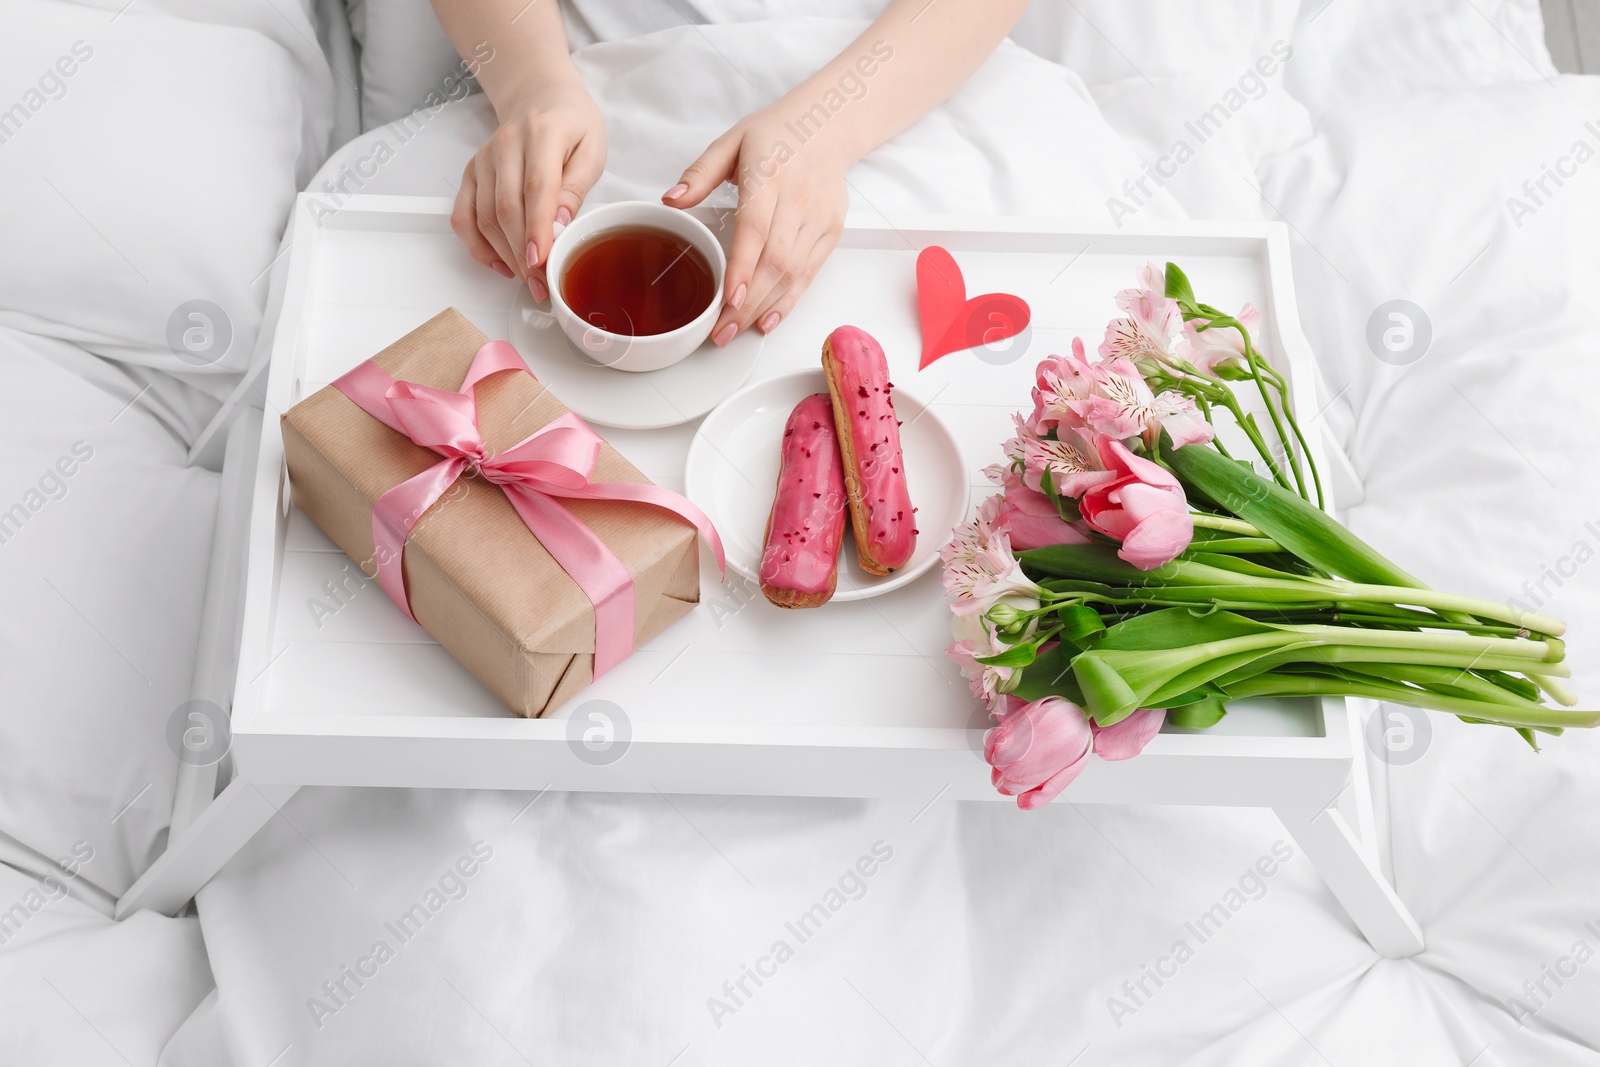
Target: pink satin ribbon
{"x":556,"y":461}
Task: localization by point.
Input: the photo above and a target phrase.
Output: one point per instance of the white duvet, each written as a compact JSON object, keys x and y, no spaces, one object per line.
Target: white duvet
{"x":1396,"y":143}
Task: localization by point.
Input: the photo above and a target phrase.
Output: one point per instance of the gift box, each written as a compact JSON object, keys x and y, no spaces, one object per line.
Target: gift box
{"x":461,"y":553}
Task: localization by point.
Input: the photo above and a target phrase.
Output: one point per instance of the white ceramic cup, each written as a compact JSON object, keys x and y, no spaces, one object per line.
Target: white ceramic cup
{"x":647,"y":352}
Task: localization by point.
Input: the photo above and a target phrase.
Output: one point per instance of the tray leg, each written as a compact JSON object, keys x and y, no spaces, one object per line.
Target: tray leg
{"x":198,"y":853}
{"x":1351,"y":871}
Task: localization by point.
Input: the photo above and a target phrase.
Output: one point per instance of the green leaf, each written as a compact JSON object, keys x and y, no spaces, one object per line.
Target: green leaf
{"x":1520,"y":686}
{"x":1050,"y":674}
{"x":1178,"y":287}
{"x":1079,"y":623}
{"x":1065,"y":506}
{"x":1177,"y":628}
{"x":1208,"y":711}
{"x":1015,"y":656}
{"x":1300,"y":527}
{"x":1106,"y":695}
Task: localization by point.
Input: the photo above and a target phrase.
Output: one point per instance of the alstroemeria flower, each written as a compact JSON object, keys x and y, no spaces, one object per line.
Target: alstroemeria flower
{"x":1183,"y":422}
{"x":976,"y":637}
{"x":1027,"y":515}
{"x":1152,"y":319}
{"x":1123,"y":404}
{"x":1070,"y":458}
{"x":980,"y":566}
{"x":1144,"y":508}
{"x":1037,"y":749}
{"x":1062,"y":390}
{"x":969,"y":538}
{"x":1209,"y":349}
{"x":1124,"y":407}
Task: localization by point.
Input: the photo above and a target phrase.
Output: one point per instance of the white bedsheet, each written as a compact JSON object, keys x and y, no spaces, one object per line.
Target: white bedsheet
{"x":599,"y":927}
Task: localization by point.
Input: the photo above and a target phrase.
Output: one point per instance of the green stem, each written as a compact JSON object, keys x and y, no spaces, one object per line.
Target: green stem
{"x":1217,"y":320}
{"x":1308,"y":596}
{"x":1226,"y":524}
{"x":1420,"y":620}
{"x":1438,"y":601}
{"x":1248,"y":426}
{"x":1318,"y":685}
{"x":1282,"y":387}
{"x":1557,"y":692}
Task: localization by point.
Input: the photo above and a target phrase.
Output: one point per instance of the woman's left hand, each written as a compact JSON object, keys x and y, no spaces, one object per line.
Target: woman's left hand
{"x":792,"y":202}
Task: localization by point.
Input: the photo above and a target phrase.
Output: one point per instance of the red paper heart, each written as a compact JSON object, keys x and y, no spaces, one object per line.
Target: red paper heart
{"x":951,"y":322}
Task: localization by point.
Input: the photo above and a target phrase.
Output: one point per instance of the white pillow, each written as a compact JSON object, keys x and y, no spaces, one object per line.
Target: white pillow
{"x":104,"y":541}
{"x":405,"y":59}
{"x":150,"y":162}
{"x":1352,"y":51}
{"x":1105,"y":41}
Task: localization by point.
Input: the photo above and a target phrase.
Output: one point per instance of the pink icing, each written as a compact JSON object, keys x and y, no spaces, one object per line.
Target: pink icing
{"x":864,"y":392}
{"x":809,"y":510}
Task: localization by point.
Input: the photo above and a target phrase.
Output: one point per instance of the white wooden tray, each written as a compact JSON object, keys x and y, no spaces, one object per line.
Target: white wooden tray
{"x":854,"y":699}
{"x":740,"y":697}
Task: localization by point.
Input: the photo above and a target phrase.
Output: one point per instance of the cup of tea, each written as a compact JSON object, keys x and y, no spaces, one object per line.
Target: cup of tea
{"x":636,"y":285}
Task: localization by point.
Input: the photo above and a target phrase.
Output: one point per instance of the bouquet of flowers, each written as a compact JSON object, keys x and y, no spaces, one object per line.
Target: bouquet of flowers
{"x":1131,"y":571}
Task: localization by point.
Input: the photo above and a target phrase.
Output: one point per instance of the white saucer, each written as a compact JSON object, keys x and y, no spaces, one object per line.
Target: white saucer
{"x":644,"y":401}
{"x":733,"y":468}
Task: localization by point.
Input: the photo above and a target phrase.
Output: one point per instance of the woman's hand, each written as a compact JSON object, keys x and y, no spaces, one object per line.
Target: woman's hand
{"x":792,"y":202}
{"x":535,"y":171}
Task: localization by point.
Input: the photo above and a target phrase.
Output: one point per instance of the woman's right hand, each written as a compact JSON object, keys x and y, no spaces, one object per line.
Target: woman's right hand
{"x":533,"y":172}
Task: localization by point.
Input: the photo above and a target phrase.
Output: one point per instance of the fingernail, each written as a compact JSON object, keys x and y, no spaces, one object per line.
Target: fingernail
{"x":738,"y":296}
{"x":537,"y":288}
{"x":770,"y":322}
{"x":725,"y":335}
{"x":501,"y":268}
{"x":563,"y":216}
{"x":676,"y":191}
{"x":533,"y":254}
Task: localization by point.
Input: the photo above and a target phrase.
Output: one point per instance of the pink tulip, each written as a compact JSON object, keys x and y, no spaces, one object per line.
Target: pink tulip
{"x":1143,"y":507}
{"x":1028,"y":516}
{"x":1037,"y":749}
{"x":1126,"y":739}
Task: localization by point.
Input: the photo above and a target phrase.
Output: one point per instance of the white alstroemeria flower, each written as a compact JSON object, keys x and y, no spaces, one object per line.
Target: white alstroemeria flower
{"x":975,"y":637}
{"x":994,"y":573}
{"x":1211,"y":348}
{"x":1182,"y":420}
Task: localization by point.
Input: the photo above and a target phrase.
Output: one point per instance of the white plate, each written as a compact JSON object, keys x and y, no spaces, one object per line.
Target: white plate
{"x":646,"y":401}
{"x":733,"y":467}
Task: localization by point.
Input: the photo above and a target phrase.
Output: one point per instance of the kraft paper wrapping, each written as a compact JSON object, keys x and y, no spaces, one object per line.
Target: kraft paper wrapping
{"x":478,"y":580}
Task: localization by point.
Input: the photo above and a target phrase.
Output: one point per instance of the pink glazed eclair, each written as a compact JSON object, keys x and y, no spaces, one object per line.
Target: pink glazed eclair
{"x":881,"y":516}
{"x":800,"y":565}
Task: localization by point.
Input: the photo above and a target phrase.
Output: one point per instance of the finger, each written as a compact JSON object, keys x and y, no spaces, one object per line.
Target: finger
{"x":781,"y":257}
{"x":715,"y":166}
{"x":487,"y":225}
{"x":752,"y":222}
{"x":585,"y":164}
{"x":506,"y":151}
{"x":464,"y":221}
{"x":541,"y":185}
{"x":777,"y":309}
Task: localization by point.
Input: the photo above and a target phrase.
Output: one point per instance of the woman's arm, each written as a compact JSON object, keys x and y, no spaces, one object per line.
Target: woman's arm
{"x":789,"y":159}
{"x":551,"y":144}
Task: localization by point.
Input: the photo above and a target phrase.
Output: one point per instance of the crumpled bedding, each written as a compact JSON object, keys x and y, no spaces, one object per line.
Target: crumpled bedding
{"x":603,"y":929}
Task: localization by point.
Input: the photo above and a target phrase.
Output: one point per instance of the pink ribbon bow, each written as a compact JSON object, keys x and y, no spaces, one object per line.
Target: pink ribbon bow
{"x":556,"y":461}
